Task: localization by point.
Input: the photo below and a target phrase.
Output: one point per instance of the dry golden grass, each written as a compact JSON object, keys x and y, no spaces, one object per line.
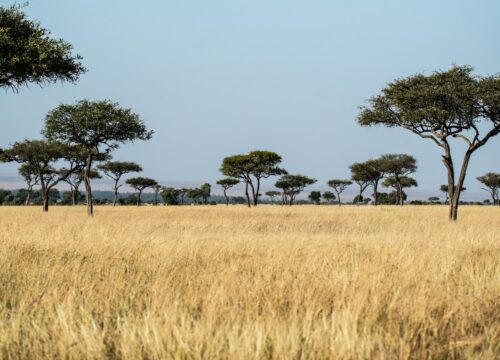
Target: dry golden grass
{"x":237,"y":283}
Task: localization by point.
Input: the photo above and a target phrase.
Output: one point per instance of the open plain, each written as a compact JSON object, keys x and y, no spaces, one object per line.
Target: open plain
{"x":271,"y":282}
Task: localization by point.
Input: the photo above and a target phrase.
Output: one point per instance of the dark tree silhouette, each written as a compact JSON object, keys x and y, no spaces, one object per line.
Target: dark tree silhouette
{"x":439,"y":107}
{"x":329,"y":196}
{"x":315,"y":197}
{"x":205,"y":191}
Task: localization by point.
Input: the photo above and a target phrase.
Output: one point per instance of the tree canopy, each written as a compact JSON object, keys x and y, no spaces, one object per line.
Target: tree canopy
{"x":292,"y":185}
{"x":140,"y":184}
{"x":98,"y":126}
{"x":29,"y":55}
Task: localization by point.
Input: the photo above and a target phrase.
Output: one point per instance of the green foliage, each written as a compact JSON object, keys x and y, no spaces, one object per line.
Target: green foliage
{"x":94,"y":124}
{"x":170,"y":195}
{"x":292,"y":185}
{"x":205,"y":190}
{"x":329,"y":196}
{"x":29,"y":55}
{"x":227,"y":183}
{"x":315,"y":197}
{"x":116,"y":169}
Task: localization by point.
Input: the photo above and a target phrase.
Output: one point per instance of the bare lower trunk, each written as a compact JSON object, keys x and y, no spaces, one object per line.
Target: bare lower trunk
{"x":455,"y":199}
{"x":256,"y":194}
{"x":227,"y":199}
{"x":88,"y":188}
{"x":46,"y":203}
{"x":139,"y":198}
{"x":247,"y":195}
{"x":375,"y":186}
{"x":28,"y":197}
{"x":115,"y":188}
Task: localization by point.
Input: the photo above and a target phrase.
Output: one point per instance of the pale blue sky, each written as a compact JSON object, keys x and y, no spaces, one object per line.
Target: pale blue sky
{"x":215,"y":78}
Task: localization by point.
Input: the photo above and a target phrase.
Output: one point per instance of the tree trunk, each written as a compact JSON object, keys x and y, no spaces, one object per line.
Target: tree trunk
{"x":139,"y":198}
{"x":46,"y":203}
{"x":338,"y":197}
{"x":115,"y":188}
{"x":253,"y":190}
{"x":247,"y":195}
{"x":28,"y":197}
{"x":88,"y":188}
{"x":375,"y":186}
{"x":256,"y":195}
{"x":227,"y":199}
{"x":455,"y":200}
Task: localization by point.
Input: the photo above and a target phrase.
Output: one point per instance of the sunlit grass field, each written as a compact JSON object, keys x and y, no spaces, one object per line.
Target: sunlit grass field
{"x":272,"y":282}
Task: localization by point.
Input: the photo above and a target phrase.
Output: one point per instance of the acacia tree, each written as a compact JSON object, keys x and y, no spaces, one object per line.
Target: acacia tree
{"x":226,"y":184}
{"x":491,"y":181}
{"x":398,"y":166}
{"x":98,"y":127}
{"x":272,"y":194}
{"x":339,"y":186}
{"x":29,"y":55}
{"x":115,"y":170}
{"x":292,"y":185}
{"x":329,"y":196}
{"x":140,"y":184}
{"x":31,"y":177}
{"x":359,"y":174}
{"x":251,"y":168}
{"x":439,"y":107}
{"x":41,"y":157}
{"x":398,"y":185}
{"x":170,"y":195}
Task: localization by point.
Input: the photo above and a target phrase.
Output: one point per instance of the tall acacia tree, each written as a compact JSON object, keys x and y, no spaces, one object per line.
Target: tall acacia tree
{"x":140,"y":184}
{"x":31,"y":178}
{"x":98,"y":126}
{"x":226,"y":184}
{"x":30,"y":55}
{"x":339,"y":186}
{"x":115,"y":170}
{"x":42,"y":157}
{"x":251,"y":168}
{"x":439,"y":107}
{"x":491,"y":181}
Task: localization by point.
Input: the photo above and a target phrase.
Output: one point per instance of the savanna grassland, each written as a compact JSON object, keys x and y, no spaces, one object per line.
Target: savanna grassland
{"x":235,"y":283}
